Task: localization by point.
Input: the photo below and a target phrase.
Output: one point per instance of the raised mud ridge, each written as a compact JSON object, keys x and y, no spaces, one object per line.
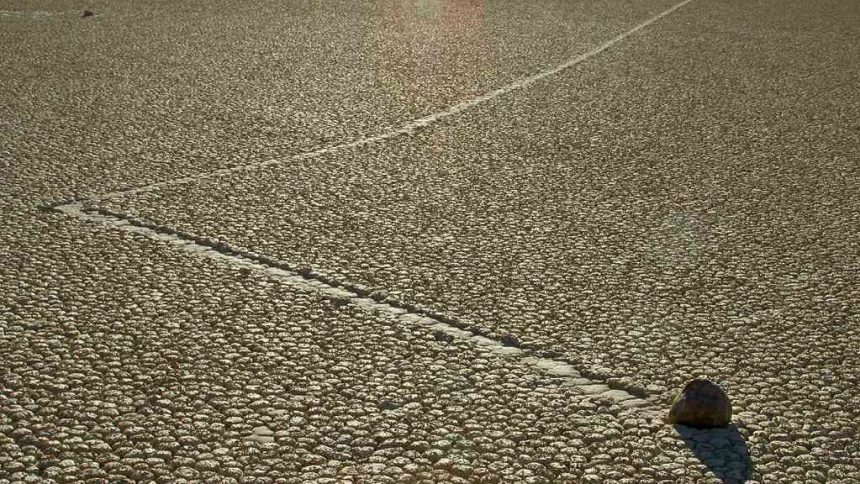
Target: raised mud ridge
{"x":445,"y":327}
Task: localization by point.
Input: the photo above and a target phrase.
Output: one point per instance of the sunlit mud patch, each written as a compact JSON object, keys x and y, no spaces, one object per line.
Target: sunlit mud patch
{"x":262,"y":434}
{"x":428,"y":8}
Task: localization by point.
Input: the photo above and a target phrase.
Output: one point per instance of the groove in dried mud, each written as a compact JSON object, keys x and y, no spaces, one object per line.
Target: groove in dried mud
{"x":407,"y":128}
{"x":446,"y":328}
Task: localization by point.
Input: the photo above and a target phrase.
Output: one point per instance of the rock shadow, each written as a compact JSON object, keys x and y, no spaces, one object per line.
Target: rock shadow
{"x":724,"y":451}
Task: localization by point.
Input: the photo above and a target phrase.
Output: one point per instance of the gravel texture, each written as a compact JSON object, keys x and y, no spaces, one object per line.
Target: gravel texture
{"x":685,"y":205}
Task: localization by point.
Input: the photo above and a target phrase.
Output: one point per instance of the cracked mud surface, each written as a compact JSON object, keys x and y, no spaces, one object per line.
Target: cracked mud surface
{"x":146,"y":91}
{"x":132,"y":360}
{"x":683,"y":204}
{"x":675,"y":209}
{"x":445,"y":329}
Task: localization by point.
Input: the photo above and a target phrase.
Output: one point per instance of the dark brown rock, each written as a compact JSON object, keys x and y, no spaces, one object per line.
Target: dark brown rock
{"x":702,"y":404}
